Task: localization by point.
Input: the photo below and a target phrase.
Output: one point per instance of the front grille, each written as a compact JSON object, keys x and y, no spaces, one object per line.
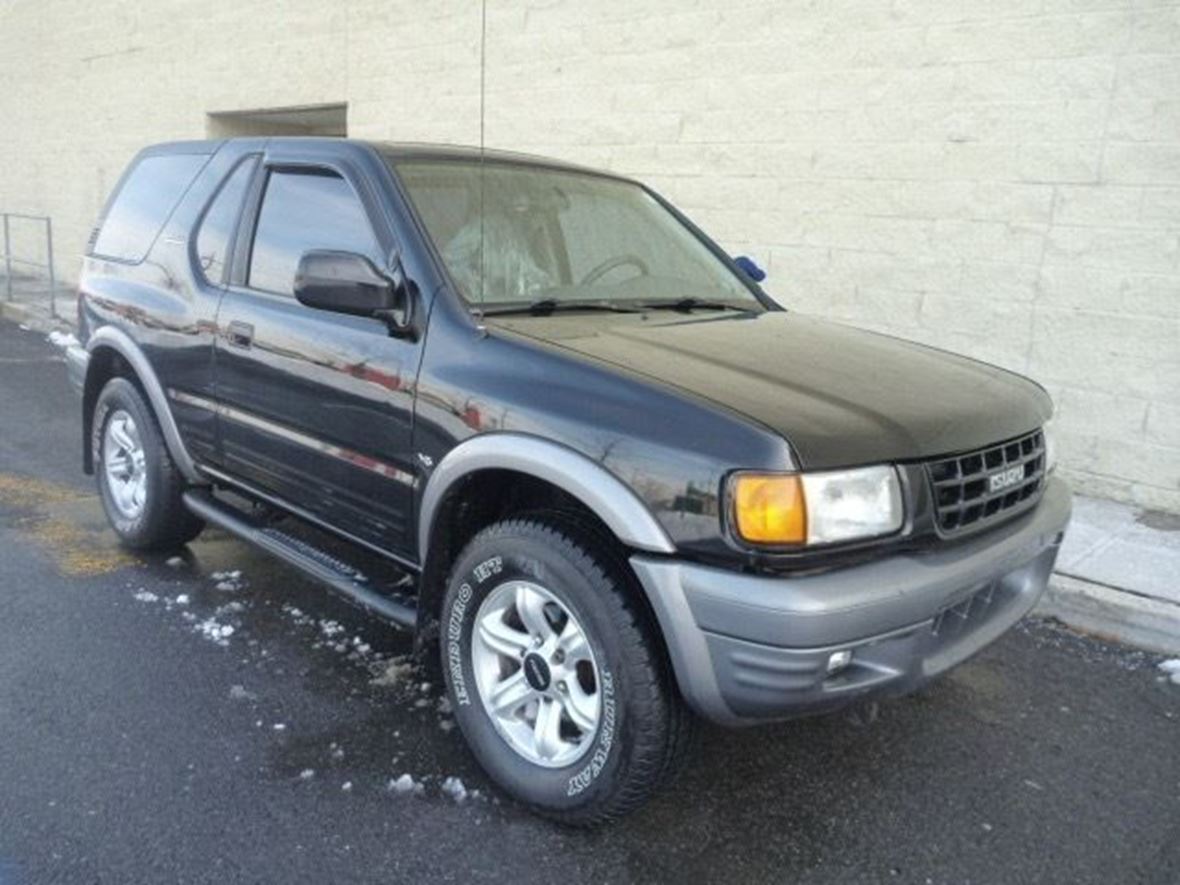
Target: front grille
{"x":987,"y":485}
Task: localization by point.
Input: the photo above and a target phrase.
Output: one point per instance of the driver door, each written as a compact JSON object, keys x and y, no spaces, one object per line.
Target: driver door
{"x":316,"y":407}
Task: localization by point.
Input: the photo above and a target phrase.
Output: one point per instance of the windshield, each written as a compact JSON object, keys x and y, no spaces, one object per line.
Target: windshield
{"x":560,"y":237}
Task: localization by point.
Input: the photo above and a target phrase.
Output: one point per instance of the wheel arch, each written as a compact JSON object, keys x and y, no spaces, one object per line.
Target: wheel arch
{"x":541,"y":474}
{"x":113,"y":353}
{"x":603,"y":493}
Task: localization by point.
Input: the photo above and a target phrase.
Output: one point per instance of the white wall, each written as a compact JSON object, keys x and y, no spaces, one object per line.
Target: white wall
{"x":1000,"y":178}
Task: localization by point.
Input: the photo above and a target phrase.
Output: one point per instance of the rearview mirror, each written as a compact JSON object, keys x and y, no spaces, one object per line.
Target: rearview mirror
{"x":345,"y":282}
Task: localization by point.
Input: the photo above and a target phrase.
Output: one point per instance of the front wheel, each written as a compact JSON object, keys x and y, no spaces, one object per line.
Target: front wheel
{"x":140,"y":486}
{"x":556,"y":675}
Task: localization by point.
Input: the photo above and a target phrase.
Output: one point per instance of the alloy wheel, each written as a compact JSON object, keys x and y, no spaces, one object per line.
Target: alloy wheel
{"x":536,"y":674}
{"x":124,"y":465}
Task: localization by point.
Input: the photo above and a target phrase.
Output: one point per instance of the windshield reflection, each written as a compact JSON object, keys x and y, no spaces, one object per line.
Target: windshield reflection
{"x":547,"y":235}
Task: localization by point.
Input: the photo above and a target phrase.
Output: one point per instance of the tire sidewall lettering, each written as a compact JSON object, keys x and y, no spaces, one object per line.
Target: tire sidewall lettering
{"x":605,"y":741}
{"x":454,"y":644}
{"x":481,"y":573}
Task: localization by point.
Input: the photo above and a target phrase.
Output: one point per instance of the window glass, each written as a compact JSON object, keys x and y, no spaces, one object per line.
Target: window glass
{"x":302,"y":211}
{"x":143,"y":204}
{"x":218,"y":224}
{"x":511,"y":233}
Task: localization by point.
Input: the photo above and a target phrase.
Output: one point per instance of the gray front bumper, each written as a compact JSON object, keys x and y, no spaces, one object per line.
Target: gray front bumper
{"x":748,"y":647}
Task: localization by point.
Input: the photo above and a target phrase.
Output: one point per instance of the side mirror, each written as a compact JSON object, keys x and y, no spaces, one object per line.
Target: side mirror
{"x":345,"y":282}
{"x":750,"y":268}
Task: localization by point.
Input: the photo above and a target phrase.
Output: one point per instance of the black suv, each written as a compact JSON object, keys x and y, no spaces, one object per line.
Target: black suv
{"x":616,"y":484}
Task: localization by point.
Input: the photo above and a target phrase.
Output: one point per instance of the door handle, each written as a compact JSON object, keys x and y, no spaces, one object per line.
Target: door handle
{"x":239,"y":334}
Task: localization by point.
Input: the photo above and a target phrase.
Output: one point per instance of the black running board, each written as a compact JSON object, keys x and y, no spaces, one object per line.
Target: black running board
{"x":312,"y":561}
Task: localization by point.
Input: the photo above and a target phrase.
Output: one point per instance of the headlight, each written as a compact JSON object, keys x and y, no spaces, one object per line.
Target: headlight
{"x":1050,"y":446}
{"x":816,"y":508}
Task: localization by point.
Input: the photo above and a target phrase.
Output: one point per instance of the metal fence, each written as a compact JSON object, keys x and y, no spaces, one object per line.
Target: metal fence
{"x":31,"y":231}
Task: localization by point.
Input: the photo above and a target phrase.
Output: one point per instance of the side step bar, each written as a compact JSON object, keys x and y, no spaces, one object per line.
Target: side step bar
{"x":312,"y":561}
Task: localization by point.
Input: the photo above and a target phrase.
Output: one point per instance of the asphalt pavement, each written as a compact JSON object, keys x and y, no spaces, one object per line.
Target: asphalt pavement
{"x":172,"y":721}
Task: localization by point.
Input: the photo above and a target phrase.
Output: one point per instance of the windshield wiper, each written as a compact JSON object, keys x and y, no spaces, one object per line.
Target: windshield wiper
{"x":692,"y":303}
{"x":545,"y":306}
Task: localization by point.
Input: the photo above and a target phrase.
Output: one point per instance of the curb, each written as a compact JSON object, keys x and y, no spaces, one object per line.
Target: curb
{"x":1110,"y":613}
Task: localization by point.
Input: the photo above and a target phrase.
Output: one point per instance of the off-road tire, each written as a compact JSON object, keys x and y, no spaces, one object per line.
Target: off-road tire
{"x":164,"y":523}
{"x":647,"y":730}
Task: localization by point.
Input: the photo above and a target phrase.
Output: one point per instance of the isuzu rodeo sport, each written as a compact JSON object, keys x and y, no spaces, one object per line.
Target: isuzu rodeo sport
{"x":622,"y":486}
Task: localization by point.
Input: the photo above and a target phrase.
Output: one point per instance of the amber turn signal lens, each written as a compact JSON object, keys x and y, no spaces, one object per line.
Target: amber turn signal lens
{"x":770,"y":509}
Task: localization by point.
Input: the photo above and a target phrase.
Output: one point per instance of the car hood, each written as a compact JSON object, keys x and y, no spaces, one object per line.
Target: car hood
{"x":840,"y":396}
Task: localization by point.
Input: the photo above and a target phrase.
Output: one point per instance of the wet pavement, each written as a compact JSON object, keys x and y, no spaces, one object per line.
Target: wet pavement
{"x":172,"y":722}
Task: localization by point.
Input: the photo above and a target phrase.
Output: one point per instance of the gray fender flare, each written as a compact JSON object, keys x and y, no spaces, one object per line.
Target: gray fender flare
{"x":604,"y":493}
{"x":122,"y":343}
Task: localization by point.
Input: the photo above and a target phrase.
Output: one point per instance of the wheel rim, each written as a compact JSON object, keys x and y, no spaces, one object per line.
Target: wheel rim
{"x":124,"y":465}
{"x":536,"y":674}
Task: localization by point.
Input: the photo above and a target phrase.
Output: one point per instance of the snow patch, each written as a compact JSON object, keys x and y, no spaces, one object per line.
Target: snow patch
{"x":239,"y":693}
{"x":62,"y":339}
{"x":142,"y":595}
{"x":405,"y":785}
{"x":307,"y":774}
{"x":182,"y":599}
{"x":297,"y":615}
{"x":229,"y":581}
{"x":395,"y":672}
{"x":454,"y":788}
{"x":215,"y":632}
{"x":175,"y":562}
{"x":331,"y":628}
{"x":1171,"y":665}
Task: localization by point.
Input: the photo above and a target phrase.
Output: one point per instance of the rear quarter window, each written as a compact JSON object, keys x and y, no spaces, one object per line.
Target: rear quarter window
{"x":143,"y":203}
{"x":217,"y":227}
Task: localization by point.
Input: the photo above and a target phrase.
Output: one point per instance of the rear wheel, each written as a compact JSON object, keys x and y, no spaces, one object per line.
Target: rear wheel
{"x":138,"y":482}
{"x":556,"y":676}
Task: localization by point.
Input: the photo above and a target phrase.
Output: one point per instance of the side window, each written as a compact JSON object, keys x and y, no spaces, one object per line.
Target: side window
{"x":148,"y":195}
{"x":302,"y":211}
{"x":217,"y":227}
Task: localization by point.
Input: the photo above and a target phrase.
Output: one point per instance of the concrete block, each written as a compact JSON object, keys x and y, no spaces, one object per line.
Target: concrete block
{"x":1138,"y":250}
{"x":1098,"y":205}
{"x":1128,"y":163}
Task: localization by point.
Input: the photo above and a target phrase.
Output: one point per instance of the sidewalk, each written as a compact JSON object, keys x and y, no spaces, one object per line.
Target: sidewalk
{"x":1118,"y":574}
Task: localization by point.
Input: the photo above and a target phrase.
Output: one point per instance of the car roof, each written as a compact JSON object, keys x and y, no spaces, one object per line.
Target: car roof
{"x":396,"y":151}
{"x":403,"y":151}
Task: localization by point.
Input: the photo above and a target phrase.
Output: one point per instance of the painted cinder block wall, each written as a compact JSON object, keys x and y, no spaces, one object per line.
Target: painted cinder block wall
{"x":999,"y":178}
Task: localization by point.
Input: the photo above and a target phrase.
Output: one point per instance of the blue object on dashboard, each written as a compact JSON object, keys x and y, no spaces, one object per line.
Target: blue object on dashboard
{"x":750,"y":268}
